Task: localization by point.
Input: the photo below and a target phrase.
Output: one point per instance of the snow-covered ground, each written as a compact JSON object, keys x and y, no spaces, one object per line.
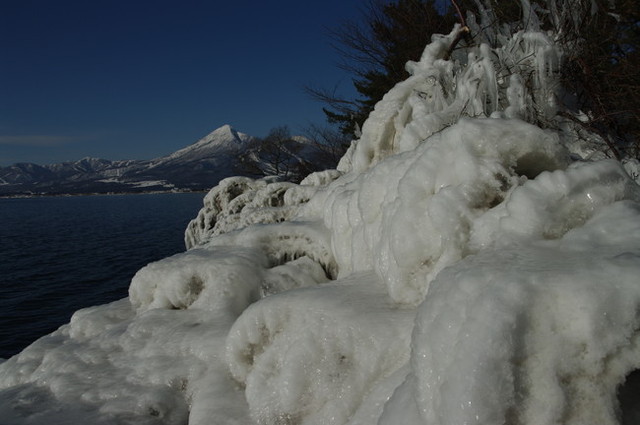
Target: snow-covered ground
{"x":461,"y":266}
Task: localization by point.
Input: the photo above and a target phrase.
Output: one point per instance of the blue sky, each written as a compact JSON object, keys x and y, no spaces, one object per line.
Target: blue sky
{"x":140,"y":79}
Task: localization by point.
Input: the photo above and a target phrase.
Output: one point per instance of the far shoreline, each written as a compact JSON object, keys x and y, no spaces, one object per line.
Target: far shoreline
{"x":64,"y":195}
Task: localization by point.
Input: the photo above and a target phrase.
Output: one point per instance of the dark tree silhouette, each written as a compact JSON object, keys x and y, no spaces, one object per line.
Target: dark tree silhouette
{"x":375,"y":50}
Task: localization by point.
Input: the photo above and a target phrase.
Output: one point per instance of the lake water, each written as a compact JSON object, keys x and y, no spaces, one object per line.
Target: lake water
{"x":60,"y":254}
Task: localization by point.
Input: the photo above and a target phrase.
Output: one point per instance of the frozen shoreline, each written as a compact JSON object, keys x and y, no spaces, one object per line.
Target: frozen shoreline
{"x":455,"y":269}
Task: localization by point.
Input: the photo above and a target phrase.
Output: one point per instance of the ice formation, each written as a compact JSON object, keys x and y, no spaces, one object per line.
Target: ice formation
{"x":460,"y":267}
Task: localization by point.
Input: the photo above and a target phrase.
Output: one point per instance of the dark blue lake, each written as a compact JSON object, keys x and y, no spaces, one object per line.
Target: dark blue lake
{"x":60,"y":254}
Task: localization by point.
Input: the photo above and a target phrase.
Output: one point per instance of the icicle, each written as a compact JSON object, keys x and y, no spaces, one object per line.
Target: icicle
{"x":516,"y":94}
{"x":489,"y":79}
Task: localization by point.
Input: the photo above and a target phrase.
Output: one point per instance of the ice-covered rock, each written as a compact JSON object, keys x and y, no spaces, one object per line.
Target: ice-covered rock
{"x":547,"y":337}
{"x":309,"y":356}
{"x":412,"y":214}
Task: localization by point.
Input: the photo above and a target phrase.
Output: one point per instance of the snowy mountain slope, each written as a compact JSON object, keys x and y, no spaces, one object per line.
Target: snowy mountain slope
{"x":221,"y":142}
{"x":195,"y":167}
{"x":23,"y":173}
{"x":199,"y":165}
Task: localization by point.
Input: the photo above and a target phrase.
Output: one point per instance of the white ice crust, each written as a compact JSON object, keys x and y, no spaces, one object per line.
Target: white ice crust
{"x":457,"y":268}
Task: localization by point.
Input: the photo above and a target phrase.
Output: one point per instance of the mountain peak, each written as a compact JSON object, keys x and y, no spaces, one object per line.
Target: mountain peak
{"x":224,"y":129}
{"x":221,"y":141}
{"x":221,"y":135}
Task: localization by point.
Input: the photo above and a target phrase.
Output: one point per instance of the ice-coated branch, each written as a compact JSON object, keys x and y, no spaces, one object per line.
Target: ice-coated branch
{"x":462,"y":33}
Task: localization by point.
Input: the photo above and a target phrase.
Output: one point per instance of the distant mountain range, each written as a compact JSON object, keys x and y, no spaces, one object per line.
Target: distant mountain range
{"x":196,"y":167}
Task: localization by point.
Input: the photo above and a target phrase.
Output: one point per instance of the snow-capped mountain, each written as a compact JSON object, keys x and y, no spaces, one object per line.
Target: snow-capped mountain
{"x":212,"y":147}
{"x":196,"y":167}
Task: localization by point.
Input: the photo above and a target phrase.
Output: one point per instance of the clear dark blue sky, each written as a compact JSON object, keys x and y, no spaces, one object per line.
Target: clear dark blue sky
{"x":138,"y":79}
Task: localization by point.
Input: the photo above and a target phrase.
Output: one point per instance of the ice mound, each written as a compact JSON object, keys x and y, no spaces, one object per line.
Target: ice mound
{"x":219,"y":281}
{"x":411,"y":215}
{"x":237,"y":202}
{"x":547,"y":337}
{"x":309,"y":356}
{"x":104,"y":367}
{"x":554,"y":203}
{"x":460,"y":267}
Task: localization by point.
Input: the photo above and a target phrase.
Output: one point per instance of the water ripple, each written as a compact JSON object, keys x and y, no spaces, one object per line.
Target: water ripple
{"x":60,"y":254}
